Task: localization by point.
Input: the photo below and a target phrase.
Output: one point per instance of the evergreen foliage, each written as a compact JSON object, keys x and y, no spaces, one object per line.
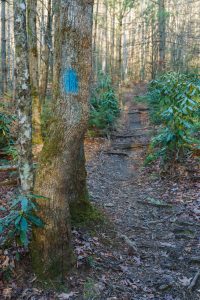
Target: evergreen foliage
{"x":174,"y":101}
{"x":104,"y":106}
{"x":22,"y":216}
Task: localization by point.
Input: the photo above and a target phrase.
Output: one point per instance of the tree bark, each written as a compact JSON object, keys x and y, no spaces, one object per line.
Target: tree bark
{"x":120,"y":32}
{"x":23,"y":96}
{"x":33,"y":66}
{"x":61,"y":174}
{"x":44,"y":69}
{"x":113,"y":41}
{"x":162,"y":34}
{"x":8,"y":54}
{"x":95,"y":40}
{"x":3,"y":48}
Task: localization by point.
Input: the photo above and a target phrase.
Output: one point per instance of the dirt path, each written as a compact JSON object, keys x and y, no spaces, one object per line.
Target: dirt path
{"x":158,"y":220}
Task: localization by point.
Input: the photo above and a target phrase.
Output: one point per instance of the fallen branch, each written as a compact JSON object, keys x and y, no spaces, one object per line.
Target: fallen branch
{"x":7,"y":182}
{"x":129,"y":136}
{"x":116,"y":153}
{"x":130,"y":146}
{"x":194,"y":281}
{"x":130,"y":243}
{"x":154,"y":202}
{"x":8,"y":168}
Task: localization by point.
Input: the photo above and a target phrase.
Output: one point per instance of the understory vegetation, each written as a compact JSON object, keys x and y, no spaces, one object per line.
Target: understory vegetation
{"x":104,"y":105}
{"x":18,"y":223}
{"x":174,"y":101}
{"x":6,"y":133}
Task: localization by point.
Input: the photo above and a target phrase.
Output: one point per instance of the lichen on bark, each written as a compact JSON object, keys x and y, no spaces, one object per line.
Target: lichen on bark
{"x":23,"y":96}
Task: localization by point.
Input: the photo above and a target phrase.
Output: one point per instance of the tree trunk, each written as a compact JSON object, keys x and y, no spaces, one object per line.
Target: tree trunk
{"x":120,"y":33}
{"x":9,"y":81}
{"x":23,"y":96}
{"x":113,"y":66}
{"x":95,"y":38}
{"x":44,"y":69}
{"x":107,"y":58}
{"x":162,"y":35}
{"x":3,"y":48}
{"x":33,"y":66}
{"x":61,"y":174}
{"x":153,"y":68}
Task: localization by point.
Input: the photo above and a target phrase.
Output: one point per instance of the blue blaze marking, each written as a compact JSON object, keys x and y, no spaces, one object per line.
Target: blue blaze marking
{"x":70,"y":82}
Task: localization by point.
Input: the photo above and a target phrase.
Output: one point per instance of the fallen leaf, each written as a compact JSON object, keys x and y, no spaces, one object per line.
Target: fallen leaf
{"x":65,"y":296}
{"x":7,"y":293}
{"x":185,"y":281}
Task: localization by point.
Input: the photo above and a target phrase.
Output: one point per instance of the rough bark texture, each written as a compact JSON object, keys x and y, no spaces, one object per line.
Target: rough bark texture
{"x":3,"y":47}
{"x":33,"y":66}
{"x":23,"y":95}
{"x":61,"y":175}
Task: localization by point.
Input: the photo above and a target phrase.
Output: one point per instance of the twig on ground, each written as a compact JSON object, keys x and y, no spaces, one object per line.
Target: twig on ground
{"x":130,"y":243}
{"x":194,"y":281}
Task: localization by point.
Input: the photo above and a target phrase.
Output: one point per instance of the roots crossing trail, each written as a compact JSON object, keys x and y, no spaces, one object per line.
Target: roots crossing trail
{"x":156,"y":220}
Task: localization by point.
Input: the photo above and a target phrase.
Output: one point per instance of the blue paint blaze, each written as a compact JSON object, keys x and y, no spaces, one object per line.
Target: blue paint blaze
{"x":70,"y":82}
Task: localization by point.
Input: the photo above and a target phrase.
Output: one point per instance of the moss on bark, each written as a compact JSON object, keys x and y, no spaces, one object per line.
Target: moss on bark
{"x":84,"y":213}
{"x":58,"y":266}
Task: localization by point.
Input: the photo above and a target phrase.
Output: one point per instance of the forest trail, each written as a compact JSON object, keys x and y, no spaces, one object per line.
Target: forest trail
{"x":157,"y":220}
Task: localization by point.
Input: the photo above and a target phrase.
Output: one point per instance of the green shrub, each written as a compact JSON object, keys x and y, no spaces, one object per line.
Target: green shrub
{"x":7,"y":140}
{"x":46,"y":116}
{"x":6,"y":121}
{"x":104,"y":106}
{"x":17,"y":224}
{"x":174,"y":100}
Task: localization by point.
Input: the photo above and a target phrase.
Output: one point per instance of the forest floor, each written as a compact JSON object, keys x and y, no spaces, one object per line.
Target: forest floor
{"x":157,"y":219}
{"x":147,"y":246}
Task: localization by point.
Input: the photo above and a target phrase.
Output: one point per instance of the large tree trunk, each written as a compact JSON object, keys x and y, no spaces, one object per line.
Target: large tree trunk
{"x":3,"y":48}
{"x":61,"y":174}
{"x":33,"y":65}
{"x":23,"y":96}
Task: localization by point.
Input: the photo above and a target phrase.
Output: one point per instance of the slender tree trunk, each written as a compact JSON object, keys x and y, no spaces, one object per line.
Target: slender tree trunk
{"x":33,"y":66}
{"x":23,"y":96}
{"x":162,"y":35}
{"x":153,"y":68}
{"x":113,"y":66}
{"x":61,"y":174}
{"x":95,"y":37}
{"x":44,"y":69}
{"x":107,"y":38}
{"x":9,"y":82}
{"x":3,"y":48}
{"x":120,"y":33}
